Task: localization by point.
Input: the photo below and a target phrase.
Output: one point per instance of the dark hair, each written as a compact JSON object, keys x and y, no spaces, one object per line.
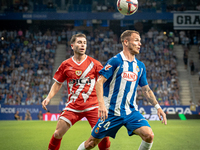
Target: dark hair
{"x":73,"y":39}
{"x":126,"y":34}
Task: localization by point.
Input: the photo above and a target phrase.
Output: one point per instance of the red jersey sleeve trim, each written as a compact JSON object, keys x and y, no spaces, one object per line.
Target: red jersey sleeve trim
{"x":57,"y":81}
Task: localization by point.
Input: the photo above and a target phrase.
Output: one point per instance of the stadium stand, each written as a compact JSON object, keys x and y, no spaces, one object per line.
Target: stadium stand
{"x":96,"y":6}
{"x":156,"y":52}
{"x":28,"y":59}
{"x":27,"y":70}
{"x":26,"y":66}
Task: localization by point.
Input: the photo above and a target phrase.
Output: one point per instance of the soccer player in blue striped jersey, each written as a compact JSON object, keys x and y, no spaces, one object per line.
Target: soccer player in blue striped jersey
{"x":116,"y":92}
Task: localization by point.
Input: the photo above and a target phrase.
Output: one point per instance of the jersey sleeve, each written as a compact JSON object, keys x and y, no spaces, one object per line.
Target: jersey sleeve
{"x":98,"y":67}
{"x":109,"y":68}
{"x":60,"y":76}
{"x":143,"y":78}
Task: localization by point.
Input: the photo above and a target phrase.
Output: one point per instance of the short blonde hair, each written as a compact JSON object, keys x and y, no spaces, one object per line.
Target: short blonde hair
{"x":126,"y":34}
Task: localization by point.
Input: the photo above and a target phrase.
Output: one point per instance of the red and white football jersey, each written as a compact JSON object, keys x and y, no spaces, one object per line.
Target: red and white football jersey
{"x":81,"y":79}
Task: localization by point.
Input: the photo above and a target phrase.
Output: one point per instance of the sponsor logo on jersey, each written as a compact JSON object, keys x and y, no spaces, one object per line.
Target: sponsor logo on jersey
{"x":107,"y":67}
{"x":137,"y":69}
{"x":78,"y":72}
{"x":129,"y":76}
{"x":80,"y":81}
{"x":96,"y":130}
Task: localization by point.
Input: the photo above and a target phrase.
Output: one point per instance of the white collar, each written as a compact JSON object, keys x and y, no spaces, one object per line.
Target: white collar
{"x":79,"y":63}
{"x":124,"y":58}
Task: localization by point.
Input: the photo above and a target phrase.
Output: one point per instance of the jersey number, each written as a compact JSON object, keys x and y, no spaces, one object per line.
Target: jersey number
{"x":105,"y":126}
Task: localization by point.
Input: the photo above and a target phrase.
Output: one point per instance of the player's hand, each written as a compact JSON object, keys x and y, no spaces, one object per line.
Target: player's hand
{"x":102,"y":112}
{"x":161,"y":113}
{"x":45,"y":102}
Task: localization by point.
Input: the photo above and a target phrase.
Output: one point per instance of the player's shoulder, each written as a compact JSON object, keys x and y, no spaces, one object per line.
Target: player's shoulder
{"x":116,"y":59}
{"x":140,"y":63}
{"x":67,"y":61}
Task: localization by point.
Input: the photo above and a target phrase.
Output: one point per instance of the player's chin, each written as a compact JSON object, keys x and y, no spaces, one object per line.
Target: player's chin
{"x":82,"y":52}
{"x":136,"y":52}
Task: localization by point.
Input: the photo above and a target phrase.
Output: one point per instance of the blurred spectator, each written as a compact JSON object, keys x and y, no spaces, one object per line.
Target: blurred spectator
{"x":198,"y":106}
{"x":185,"y":41}
{"x":17,"y":117}
{"x":26,"y":6}
{"x":63,"y":36}
{"x":192,"y":67}
{"x":185,"y":58}
{"x":50,"y":4}
{"x":166,"y":103}
{"x":40,"y":115}
{"x":20,"y":6}
{"x":199,"y":50}
{"x":48,"y":112}
{"x":198,"y":6}
{"x":192,"y":106}
{"x":28,"y":115}
{"x":20,"y":33}
{"x":181,"y":34}
{"x":61,"y":102}
{"x":176,"y":37}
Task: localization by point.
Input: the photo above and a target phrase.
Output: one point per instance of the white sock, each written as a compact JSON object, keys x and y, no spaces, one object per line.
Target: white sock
{"x":82,"y":146}
{"x":145,"y":146}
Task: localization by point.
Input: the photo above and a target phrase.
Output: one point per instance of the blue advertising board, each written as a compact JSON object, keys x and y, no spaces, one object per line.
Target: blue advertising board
{"x":7,"y":111}
{"x":169,"y":109}
{"x":85,"y":16}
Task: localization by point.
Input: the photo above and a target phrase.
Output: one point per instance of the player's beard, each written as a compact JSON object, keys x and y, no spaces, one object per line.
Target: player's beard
{"x":133,"y":49}
{"x":79,"y":52}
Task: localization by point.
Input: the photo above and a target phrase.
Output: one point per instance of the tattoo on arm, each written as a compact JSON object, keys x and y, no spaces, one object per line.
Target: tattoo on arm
{"x":148,"y":93}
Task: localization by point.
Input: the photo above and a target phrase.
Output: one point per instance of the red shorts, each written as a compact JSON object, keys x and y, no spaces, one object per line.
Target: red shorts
{"x":72,"y":117}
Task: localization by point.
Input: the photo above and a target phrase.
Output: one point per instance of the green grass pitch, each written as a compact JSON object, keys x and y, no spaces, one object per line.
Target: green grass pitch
{"x":35,"y":135}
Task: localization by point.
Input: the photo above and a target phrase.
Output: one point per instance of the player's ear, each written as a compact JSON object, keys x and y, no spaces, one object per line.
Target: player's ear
{"x":126,"y":42}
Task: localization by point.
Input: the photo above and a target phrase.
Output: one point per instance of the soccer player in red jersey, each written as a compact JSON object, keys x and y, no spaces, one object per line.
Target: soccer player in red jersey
{"x":80,"y":72}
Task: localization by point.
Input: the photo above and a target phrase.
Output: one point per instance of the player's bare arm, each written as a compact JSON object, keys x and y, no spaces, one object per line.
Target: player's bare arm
{"x":148,"y":93}
{"x":54,"y":89}
{"x":102,"y":112}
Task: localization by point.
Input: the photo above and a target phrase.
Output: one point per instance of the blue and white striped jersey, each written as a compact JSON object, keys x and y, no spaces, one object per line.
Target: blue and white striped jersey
{"x":123,"y":77}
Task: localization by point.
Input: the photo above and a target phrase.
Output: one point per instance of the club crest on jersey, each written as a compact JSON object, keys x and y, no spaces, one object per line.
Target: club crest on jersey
{"x":96,"y":130}
{"x":129,"y":76}
{"x":137,"y":69}
{"x":107,"y":67}
{"x":78,"y":72}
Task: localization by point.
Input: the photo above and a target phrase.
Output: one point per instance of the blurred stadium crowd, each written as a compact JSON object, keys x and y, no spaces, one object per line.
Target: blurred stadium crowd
{"x":156,"y":53}
{"x":27,"y":60}
{"x":26,"y":64}
{"x":27,"y":57}
{"x":95,"y":5}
